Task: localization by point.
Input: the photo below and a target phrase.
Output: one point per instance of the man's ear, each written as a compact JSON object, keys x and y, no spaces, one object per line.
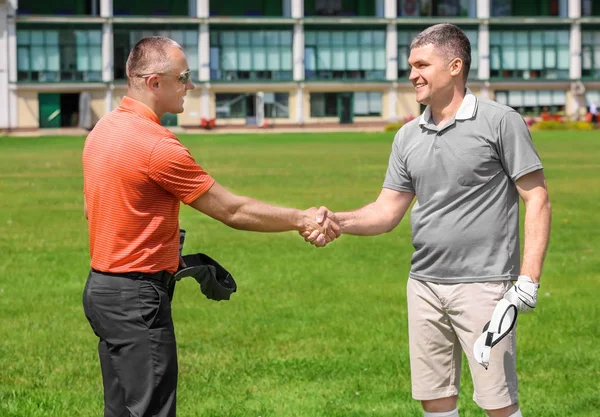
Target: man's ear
{"x":456,"y":66}
{"x":152,"y":82}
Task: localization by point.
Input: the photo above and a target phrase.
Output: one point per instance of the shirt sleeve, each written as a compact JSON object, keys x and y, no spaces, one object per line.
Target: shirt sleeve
{"x":397,"y":176}
{"x":175,"y":170}
{"x":515,"y":147}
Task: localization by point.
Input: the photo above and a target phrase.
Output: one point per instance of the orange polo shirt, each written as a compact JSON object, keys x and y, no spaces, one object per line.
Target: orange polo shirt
{"x":135,"y":174}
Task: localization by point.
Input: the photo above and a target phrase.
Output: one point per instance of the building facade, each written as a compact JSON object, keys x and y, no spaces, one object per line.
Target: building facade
{"x":290,"y":62}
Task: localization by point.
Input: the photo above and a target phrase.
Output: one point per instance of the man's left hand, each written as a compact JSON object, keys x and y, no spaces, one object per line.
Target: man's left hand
{"x":523,"y":294}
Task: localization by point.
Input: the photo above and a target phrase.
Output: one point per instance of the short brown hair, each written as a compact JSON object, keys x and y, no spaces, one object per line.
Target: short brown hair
{"x":149,"y":56}
{"x":450,"y":40}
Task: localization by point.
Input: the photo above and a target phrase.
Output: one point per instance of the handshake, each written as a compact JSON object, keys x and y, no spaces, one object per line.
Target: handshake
{"x":319,"y":226}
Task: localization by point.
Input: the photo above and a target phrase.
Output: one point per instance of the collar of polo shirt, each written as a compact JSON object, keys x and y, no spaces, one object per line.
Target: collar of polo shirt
{"x":465,"y":111}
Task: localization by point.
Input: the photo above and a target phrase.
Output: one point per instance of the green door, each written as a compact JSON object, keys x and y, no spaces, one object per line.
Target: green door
{"x":346,"y":107}
{"x":168,"y":120}
{"x":49,"y":110}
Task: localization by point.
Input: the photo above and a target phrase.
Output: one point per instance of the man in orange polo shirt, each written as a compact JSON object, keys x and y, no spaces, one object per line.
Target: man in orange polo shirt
{"x":136,"y":173}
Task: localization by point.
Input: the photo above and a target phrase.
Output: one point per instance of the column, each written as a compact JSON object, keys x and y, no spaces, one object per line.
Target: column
{"x":300,"y":104}
{"x":11,"y":29}
{"x":483,"y":43}
{"x":4,"y":60}
{"x":575,"y":52}
{"x":204,"y":53}
{"x":107,"y":62}
{"x":202,"y":8}
{"x":205,"y":102}
{"x":391,"y":52}
{"x":297,"y":9}
{"x":483,"y":9}
{"x":391,"y":9}
{"x":393,"y":103}
{"x":298,"y":52}
{"x":106,"y":8}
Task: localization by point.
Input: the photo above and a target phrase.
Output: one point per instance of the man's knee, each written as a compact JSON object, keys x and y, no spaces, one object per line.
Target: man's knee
{"x":510,"y":411}
{"x":440,"y":405}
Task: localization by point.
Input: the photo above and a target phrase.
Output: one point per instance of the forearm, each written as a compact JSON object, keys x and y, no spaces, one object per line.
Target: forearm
{"x":366,"y":221}
{"x":253,"y":215}
{"x":537,"y":234}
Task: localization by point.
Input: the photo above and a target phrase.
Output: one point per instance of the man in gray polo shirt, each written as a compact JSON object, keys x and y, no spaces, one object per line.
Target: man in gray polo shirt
{"x":467,"y":161}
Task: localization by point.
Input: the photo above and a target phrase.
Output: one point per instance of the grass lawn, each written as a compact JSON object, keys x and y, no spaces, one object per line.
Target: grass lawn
{"x":310,"y":332}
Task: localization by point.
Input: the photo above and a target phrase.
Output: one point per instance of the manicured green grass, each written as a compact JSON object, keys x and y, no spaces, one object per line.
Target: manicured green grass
{"x":311,"y":332}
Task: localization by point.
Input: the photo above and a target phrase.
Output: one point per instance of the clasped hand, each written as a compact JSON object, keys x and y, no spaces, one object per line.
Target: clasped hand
{"x":321,"y":227}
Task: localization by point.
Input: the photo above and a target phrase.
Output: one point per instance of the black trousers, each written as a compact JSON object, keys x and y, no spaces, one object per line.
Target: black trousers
{"x":137,"y":349}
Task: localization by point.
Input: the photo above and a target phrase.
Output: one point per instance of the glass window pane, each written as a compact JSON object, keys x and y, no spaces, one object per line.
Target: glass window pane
{"x":324,"y":58}
{"x":23,"y":59}
{"x":38,"y":58}
{"x":37,"y":37}
{"x":285,"y":37}
{"x":366,"y":37}
{"x":379,"y":37}
{"x":81,"y":37}
{"x":563,"y":37}
{"x":53,"y":58}
{"x":353,"y":56}
{"x":287,"y":61}
{"x":559,"y":98}
{"x":322,"y":38}
{"x":522,"y":58}
{"x":243,"y":38}
{"x":549,"y":57}
{"x":192,"y":57}
{"x":95,"y":37}
{"x":352,"y":38}
{"x":177,"y":36}
{"x":537,"y":58}
{"x":273,"y":37}
{"x":273,"y":59}
{"x":587,"y":58}
{"x":51,"y":37}
{"x":229,"y":57}
{"x":586,"y":37}
{"x":495,"y":58}
{"x":361,"y":104}
{"x":244,"y":58}
{"x":597,"y":56}
{"x":529,"y":98}
{"x":515,"y":98}
{"x":508,"y":37}
{"x":501,"y":97}
{"x":339,"y":58}
{"x":83,"y":60}
{"x":23,"y":37}
{"x":367,"y":60}
{"x":317,"y":105}
{"x":563,"y":58}
{"x":375,"y":102}
{"x":310,"y":59}
{"x":190,"y":37}
{"x":260,"y":58}
{"x":215,"y":61}
{"x":380,"y":59}
{"x":537,"y":37}
{"x":402,"y":58}
{"x":495,"y":37}
{"x":545,"y":98}
{"x":228,"y":38}
{"x":549,"y":37}
{"x":337,"y":38}
{"x":310,"y":38}
{"x":522,"y":38}
{"x":96,"y":55}
{"x":508,"y":58}
{"x":597,"y":37}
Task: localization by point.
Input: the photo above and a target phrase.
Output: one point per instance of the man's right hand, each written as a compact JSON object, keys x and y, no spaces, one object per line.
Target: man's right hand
{"x":327,"y":227}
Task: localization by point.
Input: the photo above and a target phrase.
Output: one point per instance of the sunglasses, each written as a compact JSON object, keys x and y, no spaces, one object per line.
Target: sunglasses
{"x":182,"y":78}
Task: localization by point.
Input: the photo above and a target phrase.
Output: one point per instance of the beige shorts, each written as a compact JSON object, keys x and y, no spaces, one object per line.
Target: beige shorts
{"x":443,"y":321}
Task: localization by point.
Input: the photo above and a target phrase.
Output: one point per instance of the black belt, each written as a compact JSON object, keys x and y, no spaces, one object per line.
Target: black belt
{"x":163,"y":276}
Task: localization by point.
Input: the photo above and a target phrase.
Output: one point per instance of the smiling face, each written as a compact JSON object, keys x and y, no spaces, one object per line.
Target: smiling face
{"x":171,"y":90}
{"x":432,"y":74}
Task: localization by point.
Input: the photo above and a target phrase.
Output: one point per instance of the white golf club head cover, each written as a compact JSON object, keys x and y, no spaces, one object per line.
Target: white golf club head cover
{"x":502,"y":322}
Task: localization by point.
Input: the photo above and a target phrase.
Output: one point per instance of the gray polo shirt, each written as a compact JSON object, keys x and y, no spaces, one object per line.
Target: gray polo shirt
{"x":465,"y":222}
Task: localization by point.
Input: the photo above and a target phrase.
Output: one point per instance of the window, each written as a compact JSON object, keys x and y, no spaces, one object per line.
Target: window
{"x":251,"y":55}
{"x":276,"y":105}
{"x":590,"y":7}
{"x":323,"y":105}
{"x":59,"y":55}
{"x":339,"y":7}
{"x":534,"y":54}
{"x":150,"y":8}
{"x":501,"y":8}
{"x":367,"y":103}
{"x":249,"y":8}
{"x":405,"y":38}
{"x":230,"y":106}
{"x":533,"y":102}
{"x":126,"y":38}
{"x":590,"y":50}
{"x":351,"y":55}
{"x":436,"y":8}
{"x":59,"y":7}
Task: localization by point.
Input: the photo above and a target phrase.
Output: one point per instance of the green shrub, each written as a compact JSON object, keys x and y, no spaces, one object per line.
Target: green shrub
{"x":581,"y":125}
{"x":393,"y":127}
{"x":549,"y":125}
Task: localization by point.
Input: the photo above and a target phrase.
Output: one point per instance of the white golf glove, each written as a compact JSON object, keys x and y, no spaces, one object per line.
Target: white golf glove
{"x":523,"y":294}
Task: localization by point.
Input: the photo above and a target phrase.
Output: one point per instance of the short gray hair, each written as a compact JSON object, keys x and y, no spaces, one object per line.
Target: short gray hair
{"x":449,"y":40}
{"x":149,"y":56}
